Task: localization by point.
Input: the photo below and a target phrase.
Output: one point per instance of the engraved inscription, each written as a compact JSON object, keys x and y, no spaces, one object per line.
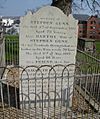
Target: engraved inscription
{"x":47,"y":37}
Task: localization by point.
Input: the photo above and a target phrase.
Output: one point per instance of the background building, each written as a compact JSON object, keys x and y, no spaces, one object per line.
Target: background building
{"x":93,"y":27}
{"x":82,"y":24}
{"x":89,"y":26}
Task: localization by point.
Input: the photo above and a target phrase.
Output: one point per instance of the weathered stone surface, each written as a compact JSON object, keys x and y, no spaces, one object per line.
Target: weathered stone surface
{"x":48,"y":37}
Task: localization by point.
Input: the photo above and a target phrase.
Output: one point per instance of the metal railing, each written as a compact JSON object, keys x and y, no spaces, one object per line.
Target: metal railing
{"x":26,"y":93}
{"x":87,"y":62}
{"x":49,"y":94}
{"x":11,"y":51}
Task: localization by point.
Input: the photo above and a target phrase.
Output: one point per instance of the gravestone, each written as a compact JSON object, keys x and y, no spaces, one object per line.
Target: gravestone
{"x":2,"y":49}
{"x":47,"y":37}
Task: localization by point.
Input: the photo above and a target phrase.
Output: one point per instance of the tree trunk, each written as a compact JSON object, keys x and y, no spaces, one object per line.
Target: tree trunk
{"x":64,"y":5}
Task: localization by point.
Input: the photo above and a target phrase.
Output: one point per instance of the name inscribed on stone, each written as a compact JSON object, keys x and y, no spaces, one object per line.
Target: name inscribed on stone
{"x":47,"y":37}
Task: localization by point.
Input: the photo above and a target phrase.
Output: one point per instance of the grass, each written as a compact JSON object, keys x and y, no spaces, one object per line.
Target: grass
{"x":11,"y":48}
{"x":12,"y":37}
{"x":87,"y":63}
{"x":97,"y":46}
